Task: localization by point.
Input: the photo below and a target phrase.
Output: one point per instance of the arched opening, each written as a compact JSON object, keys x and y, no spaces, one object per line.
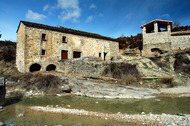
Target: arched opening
{"x":51,"y":67}
{"x":35,"y":67}
{"x":156,"y":52}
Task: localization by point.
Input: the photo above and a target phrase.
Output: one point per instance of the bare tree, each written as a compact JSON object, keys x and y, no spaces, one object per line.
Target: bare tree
{"x":176,"y":23}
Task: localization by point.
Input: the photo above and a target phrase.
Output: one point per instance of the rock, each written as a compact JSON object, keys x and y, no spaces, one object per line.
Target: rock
{"x":20,"y":115}
{"x":1,"y":124}
{"x":105,"y":90}
{"x":142,"y":113}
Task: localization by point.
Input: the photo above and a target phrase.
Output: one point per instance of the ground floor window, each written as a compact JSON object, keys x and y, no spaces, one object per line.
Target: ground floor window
{"x":76,"y":54}
{"x":100,"y":55}
{"x":43,"y":52}
{"x":105,"y":55}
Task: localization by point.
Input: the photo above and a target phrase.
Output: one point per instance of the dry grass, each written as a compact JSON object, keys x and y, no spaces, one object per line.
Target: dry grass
{"x":127,"y":73}
{"x":49,"y":84}
{"x":168,"y":80}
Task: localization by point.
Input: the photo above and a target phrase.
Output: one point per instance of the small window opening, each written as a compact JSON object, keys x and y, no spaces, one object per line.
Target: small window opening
{"x":64,"y":39}
{"x":162,"y":29}
{"x":76,"y":54}
{"x":64,"y":55}
{"x":51,"y":67}
{"x":35,"y":67}
{"x":150,"y":28}
{"x":105,"y":56}
{"x":44,"y":37}
{"x":43,"y":52}
{"x":99,"y":54}
{"x":162,"y":26}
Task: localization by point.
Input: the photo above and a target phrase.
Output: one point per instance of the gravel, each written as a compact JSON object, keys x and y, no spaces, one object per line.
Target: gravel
{"x":140,"y":119}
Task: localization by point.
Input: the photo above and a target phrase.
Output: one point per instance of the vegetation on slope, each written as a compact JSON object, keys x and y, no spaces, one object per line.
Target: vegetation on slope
{"x":130,"y":42}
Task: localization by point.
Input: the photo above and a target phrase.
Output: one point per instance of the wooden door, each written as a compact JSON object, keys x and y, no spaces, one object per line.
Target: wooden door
{"x":64,"y":54}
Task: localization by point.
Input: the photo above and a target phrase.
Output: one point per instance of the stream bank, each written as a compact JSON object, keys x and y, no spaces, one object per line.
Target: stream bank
{"x":154,"y":109}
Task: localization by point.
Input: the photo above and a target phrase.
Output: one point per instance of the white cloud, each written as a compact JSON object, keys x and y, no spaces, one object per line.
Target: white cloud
{"x":70,"y":10}
{"x":34,"y":16}
{"x":100,"y":15}
{"x":129,"y":16}
{"x":45,"y":7}
{"x":92,"y":6}
{"x":90,"y":18}
{"x":164,"y":16}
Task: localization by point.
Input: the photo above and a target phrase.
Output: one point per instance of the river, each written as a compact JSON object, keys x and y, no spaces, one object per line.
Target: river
{"x":19,"y":114}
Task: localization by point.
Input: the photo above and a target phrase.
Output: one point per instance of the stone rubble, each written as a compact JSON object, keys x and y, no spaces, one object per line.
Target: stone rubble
{"x":142,"y":119}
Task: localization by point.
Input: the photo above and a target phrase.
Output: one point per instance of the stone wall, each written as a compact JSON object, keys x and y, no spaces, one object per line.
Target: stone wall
{"x":20,"y":48}
{"x":159,"y":40}
{"x":30,"y":46}
{"x":86,"y":66}
{"x":180,"y":42}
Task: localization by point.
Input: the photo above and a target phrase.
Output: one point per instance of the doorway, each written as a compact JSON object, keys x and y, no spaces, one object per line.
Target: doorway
{"x":64,"y":54}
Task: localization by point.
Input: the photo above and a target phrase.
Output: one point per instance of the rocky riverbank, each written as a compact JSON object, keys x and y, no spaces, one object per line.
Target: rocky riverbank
{"x":106,"y":90}
{"x":142,"y":119}
{"x":48,"y":83}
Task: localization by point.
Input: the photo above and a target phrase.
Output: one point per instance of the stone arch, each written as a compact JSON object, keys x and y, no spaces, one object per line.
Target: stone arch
{"x":51,"y":67}
{"x":35,"y":67}
{"x":156,"y":52}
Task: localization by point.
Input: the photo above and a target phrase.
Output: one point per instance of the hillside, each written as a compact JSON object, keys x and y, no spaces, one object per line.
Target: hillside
{"x":7,"y":58}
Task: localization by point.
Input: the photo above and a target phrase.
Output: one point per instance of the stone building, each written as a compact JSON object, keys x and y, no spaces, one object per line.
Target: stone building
{"x":158,"y":38}
{"x":42,"y":47}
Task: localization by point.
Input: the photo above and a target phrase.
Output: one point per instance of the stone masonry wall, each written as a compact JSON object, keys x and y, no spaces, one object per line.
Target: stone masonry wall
{"x":182,"y":42}
{"x":89,"y":47}
{"x":85,"y":66}
{"x":20,"y":49}
{"x":159,"y":40}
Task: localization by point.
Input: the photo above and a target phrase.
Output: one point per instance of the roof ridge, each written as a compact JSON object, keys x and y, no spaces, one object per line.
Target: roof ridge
{"x":66,"y":30}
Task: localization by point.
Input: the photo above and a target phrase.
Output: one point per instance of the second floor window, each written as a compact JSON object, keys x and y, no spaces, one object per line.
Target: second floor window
{"x":64,"y":39}
{"x":43,"y":36}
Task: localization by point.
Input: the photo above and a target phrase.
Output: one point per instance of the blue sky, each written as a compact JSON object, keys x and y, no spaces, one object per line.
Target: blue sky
{"x":106,"y":17}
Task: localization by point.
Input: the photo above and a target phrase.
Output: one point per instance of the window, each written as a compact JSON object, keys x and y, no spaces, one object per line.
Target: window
{"x":64,"y":54}
{"x":105,"y":56}
{"x":44,"y":37}
{"x":76,"y":54}
{"x":64,"y":39}
{"x":43,"y":52}
{"x":99,"y":54}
